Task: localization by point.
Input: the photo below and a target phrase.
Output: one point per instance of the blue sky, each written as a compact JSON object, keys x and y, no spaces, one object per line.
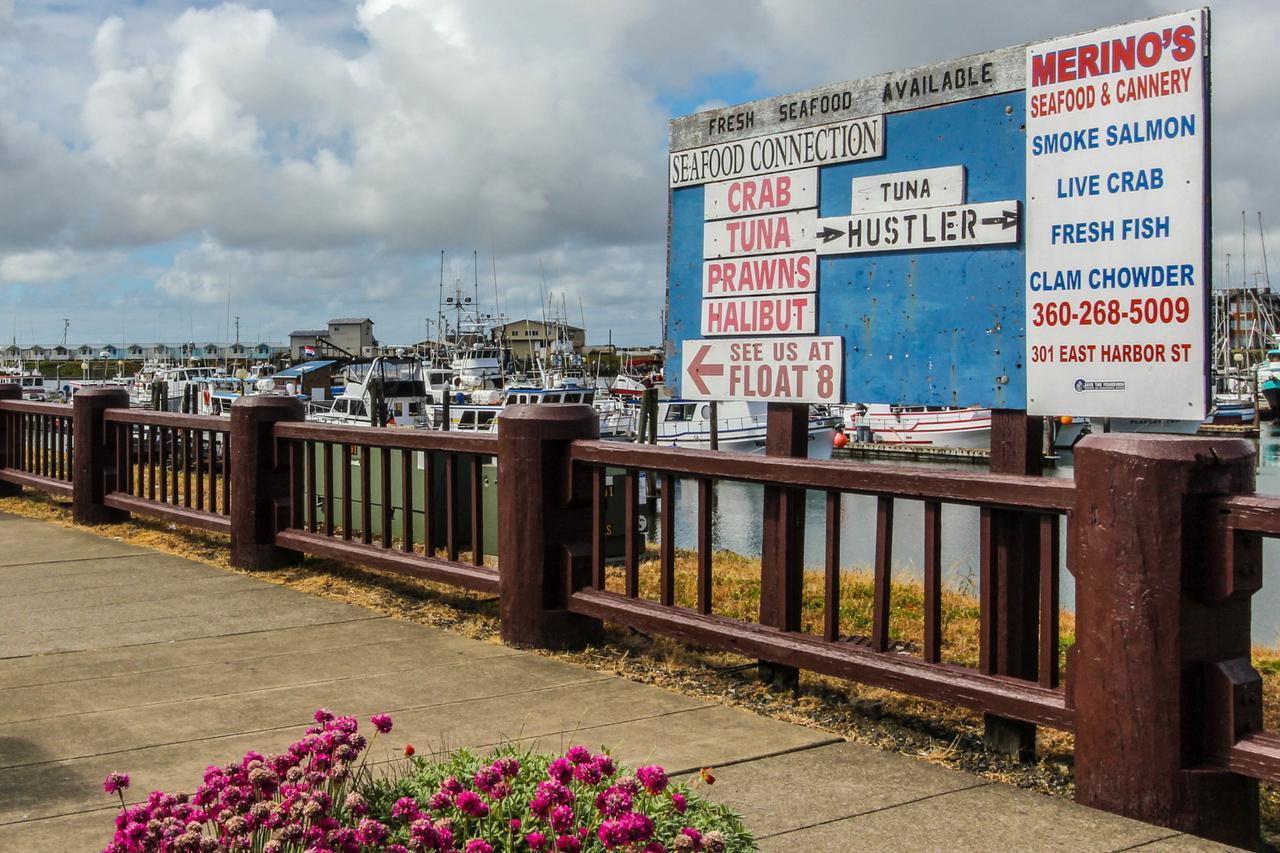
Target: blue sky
{"x":314,"y":158}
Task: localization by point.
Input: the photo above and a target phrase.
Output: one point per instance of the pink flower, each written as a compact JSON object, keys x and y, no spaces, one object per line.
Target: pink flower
{"x":478,"y":845}
{"x":562,"y":818}
{"x":605,"y":763}
{"x":653,"y":777}
{"x":613,"y":834}
{"x":508,"y":767}
{"x":561,"y":770}
{"x":568,"y":844}
{"x":680,"y":803}
{"x":486,"y":778}
{"x":371,"y":832}
{"x":469,"y":803}
{"x":514,"y":825}
{"x":578,"y":754}
{"x":535,"y":840}
{"x":406,"y":808}
{"x":381,"y":722}
{"x":423,"y":836}
{"x":613,"y":801}
{"x":587,"y":774}
{"x":115,"y":782}
{"x":322,"y":716}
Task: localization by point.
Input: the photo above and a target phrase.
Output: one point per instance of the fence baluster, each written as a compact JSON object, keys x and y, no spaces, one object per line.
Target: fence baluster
{"x":932,"y":652}
{"x":347,"y":521}
{"x":297,"y":486}
{"x":451,"y":504}
{"x":200,"y":444}
{"x":667,"y":557}
{"x":883,"y":574}
{"x":705,"y":499}
{"x":1048,"y":660}
{"x":831,"y":590}
{"x":597,"y":527}
{"x":312,"y":493}
{"x":477,"y":511}
{"x":366,"y":495}
{"x":406,"y":501}
{"x":986,"y":594}
{"x":384,"y":471}
{"x":632,"y":509}
{"x":164,"y":463}
{"x":226,"y":472}
{"x":428,"y":503}
{"x":186,"y":466}
{"x":327,"y":465}
{"x":174,"y":437}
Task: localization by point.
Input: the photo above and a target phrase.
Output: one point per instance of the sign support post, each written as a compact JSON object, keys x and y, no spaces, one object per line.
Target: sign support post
{"x":1010,"y":580}
{"x":782,"y":552}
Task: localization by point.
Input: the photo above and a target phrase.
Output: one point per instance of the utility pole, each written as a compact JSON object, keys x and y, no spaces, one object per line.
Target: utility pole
{"x":66,"y":325}
{"x":237,"y":328}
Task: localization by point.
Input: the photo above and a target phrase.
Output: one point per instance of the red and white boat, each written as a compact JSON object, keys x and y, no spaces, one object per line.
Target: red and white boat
{"x":943,"y":426}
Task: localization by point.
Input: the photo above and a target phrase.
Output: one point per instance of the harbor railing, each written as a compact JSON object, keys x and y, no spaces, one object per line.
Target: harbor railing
{"x":1163,"y":537}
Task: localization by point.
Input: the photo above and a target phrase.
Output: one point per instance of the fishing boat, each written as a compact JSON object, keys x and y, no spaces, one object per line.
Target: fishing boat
{"x":740,"y":427}
{"x":32,"y":383}
{"x":173,"y":379}
{"x":943,"y":426}
{"x":398,"y":383}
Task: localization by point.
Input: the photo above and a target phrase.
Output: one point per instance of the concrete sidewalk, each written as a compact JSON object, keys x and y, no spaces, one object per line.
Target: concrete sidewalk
{"x":113,"y":657}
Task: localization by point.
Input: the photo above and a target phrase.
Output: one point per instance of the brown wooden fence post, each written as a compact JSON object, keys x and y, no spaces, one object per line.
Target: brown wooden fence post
{"x":1150,"y":631}
{"x":259,"y":481}
{"x":8,"y":391}
{"x":782,"y":546}
{"x":544,"y":524}
{"x":93,"y":458}
{"x":1012,"y":577}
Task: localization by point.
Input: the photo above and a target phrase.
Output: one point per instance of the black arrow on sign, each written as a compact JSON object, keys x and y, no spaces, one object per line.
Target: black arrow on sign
{"x":1006,"y":220}
{"x":828,"y":234}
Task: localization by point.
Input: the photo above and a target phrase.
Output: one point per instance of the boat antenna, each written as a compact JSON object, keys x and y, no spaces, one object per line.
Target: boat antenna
{"x":1262,"y":238}
{"x":1244,"y":254}
{"x":475,"y":273}
{"x":440,"y":304}
{"x":497,"y":309}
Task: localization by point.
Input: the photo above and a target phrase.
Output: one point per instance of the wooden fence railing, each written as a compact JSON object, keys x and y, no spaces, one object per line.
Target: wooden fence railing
{"x":1163,"y":534}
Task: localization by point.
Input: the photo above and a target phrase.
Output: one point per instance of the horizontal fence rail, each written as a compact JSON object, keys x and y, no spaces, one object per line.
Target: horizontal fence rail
{"x":408,"y":501}
{"x":874,"y":659}
{"x":39,"y":445}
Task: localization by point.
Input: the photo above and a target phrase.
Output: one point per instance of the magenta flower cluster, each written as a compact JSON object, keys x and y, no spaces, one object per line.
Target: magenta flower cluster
{"x":301,"y":799}
{"x":579,"y":802}
{"x":319,"y":797}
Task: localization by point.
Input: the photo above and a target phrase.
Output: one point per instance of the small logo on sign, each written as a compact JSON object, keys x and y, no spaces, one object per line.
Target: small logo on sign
{"x":1085,"y":385}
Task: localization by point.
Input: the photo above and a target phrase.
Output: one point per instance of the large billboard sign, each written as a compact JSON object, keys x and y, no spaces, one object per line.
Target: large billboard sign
{"x":1117,"y":286}
{"x":910,"y":218}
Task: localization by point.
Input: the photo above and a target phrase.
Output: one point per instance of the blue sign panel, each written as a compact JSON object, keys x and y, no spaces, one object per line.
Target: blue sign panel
{"x":924,"y":325}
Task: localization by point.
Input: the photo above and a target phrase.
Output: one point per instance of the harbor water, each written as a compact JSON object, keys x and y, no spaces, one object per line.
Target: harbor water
{"x":736,"y":527}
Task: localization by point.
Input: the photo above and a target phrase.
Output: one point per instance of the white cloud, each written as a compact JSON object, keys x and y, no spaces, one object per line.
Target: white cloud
{"x":317,"y":156}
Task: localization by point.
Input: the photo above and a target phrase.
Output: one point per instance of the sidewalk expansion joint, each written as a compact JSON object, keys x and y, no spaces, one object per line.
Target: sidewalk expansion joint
{"x":981,"y":784}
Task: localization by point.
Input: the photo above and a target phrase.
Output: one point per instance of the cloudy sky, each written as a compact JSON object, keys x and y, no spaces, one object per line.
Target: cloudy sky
{"x":312,"y":158}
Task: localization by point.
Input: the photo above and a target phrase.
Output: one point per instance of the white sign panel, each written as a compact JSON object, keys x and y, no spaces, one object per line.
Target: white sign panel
{"x":907,"y":190}
{"x":776,"y":370}
{"x":1116,"y":199}
{"x":761,"y":194}
{"x":794,"y":314}
{"x":759,"y":235}
{"x":983,"y":224}
{"x":796,"y":272}
{"x":823,"y":145}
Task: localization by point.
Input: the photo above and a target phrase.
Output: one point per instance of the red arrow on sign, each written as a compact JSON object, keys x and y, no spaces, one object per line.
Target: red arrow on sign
{"x":697,"y":369}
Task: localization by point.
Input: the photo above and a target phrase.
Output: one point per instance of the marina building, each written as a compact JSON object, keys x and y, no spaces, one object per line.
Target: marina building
{"x":533,"y":338}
